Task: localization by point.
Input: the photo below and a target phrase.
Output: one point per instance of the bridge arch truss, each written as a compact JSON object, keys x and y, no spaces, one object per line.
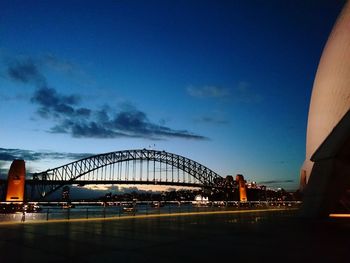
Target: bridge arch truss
{"x":142,"y":166}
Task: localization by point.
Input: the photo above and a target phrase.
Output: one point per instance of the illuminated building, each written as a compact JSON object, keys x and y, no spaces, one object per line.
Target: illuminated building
{"x":242,"y":188}
{"x":200,"y":200}
{"x":16,"y":182}
{"x":330,"y":98}
{"x":326,"y":172}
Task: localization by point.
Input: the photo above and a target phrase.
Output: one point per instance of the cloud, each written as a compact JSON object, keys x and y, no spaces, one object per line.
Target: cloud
{"x":207,"y":92}
{"x":103,"y":123}
{"x":50,"y":102}
{"x":244,"y":93}
{"x":6,"y":156}
{"x":28,"y":155}
{"x":82,"y":122}
{"x":58,"y":64}
{"x":132,"y":123}
{"x":53,"y":104}
{"x":276,"y":182}
{"x":87,"y":129}
{"x":15,"y":97}
{"x":25,"y":71}
{"x":211,"y":120}
{"x":241,"y":93}
{"x":28,"y":69}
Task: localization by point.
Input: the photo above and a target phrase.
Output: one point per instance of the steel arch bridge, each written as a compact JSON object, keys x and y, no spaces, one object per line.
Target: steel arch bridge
{"x":127,"y":167}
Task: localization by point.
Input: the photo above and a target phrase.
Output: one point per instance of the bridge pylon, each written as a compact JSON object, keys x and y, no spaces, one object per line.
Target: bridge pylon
{"x":16,"y":182}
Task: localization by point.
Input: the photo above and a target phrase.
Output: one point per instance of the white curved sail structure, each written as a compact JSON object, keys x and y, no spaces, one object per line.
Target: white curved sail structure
{"x":330,"y":99}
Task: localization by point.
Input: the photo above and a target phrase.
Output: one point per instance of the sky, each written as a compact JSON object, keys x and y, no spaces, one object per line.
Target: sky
{"x":225,"y":83}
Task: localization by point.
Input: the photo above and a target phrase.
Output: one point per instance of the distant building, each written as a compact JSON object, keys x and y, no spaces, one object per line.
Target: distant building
{"x":229,"y":179}
{"x":200,"y":200}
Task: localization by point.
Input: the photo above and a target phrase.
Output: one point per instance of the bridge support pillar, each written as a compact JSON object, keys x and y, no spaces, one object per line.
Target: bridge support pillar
{"x":242,"y":188}
{"x":16,"y":182}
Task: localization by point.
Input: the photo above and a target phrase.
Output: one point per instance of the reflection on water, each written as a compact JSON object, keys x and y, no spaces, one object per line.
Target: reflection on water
{"x":82,"y":211}
{"x":246,"y":219}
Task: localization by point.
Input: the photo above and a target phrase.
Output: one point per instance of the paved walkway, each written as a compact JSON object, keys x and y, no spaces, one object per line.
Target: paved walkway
{"x":251,"y":237}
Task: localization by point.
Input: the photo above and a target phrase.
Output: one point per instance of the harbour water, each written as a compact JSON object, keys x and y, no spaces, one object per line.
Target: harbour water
{"x":81,"y":211}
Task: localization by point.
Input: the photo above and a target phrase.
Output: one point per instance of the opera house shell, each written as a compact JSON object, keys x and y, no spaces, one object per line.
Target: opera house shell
{"x":329,"y":105}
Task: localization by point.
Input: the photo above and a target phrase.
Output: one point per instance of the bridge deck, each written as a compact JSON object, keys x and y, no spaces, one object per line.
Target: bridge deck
{"x":87,"y":182}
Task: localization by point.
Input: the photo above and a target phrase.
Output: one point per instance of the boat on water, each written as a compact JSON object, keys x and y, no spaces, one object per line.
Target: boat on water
{"x":66,"y":206}
{"x":129,"y":208}
{"x":220,"y":204}
{"x":157,"y":204}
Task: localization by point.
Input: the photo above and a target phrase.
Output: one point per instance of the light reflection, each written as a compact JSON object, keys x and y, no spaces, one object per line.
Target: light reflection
{"x":339,"y":215}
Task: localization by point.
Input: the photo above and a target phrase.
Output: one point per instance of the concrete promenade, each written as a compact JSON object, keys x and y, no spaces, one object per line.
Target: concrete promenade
{"x":260,"y":236}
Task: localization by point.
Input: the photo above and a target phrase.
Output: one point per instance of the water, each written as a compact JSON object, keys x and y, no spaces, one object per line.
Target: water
{"x":55,"y":212}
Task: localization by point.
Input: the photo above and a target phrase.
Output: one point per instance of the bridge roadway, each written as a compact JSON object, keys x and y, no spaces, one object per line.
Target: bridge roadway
{"x":276,"y":236}
{"x":86,"y":182}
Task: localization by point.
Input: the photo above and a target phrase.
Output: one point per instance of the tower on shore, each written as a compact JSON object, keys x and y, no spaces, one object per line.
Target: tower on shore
{"x":16,"y":182}
{"x":242,"y":188}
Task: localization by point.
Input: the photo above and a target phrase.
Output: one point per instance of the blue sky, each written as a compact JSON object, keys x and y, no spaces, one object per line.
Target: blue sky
{"x":225,"y":83}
